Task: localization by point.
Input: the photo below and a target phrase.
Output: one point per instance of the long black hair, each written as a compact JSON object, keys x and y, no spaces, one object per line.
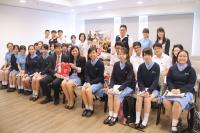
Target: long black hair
{"x":161,"y":29}
{"x":125,"y":51}
{"x":188,"y":58}
{"x":174,"y":58}
{"x":92,"y":48}
{"x":71,"y":57}
{"x":29,"y":55}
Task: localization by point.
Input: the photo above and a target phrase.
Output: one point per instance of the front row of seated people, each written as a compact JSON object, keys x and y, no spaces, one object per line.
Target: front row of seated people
{"x":143,"y":74}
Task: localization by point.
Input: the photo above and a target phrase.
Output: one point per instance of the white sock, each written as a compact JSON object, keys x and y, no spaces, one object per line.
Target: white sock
{"x":90,"y":107}
{"x":110,"y":113}
{"x":5,"y":82}
{"x":115,"y":115}
{"x":86,"y":107}
{"x":11,"y":86}
{"x":174,"y":124}
{"x":137,"y":118}
{"x":146,"y":118}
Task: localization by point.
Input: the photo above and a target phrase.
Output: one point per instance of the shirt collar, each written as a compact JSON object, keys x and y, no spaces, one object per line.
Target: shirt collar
{"x":181,"y":67}
{"x":94,"y":62}
{"x":122,"y":65}
{"x":33,"y":56}
{"x":149,"y":66}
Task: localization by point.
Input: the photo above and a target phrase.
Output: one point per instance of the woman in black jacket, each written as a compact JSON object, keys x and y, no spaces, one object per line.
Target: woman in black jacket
{"x":122,"y":83}
{"x":76,"y":76}
{"x":181,"y":78}
{"x":45,"y":63}
{"x":31,"y":68}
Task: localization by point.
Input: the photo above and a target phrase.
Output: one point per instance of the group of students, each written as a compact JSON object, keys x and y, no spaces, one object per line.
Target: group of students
{"x":140,"y":68}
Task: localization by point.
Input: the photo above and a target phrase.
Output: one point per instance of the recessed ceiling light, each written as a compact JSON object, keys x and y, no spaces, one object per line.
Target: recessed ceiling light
{"x":22,"y":1}
{"x":139,"y":2}
{"x":99,"y":7}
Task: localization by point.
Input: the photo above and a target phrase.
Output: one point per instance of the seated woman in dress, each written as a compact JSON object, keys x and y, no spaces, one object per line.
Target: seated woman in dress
{"x":181,"y":78}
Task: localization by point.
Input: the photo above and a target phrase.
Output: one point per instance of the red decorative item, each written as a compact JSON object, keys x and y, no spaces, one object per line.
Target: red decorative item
{"x":65,"y":69}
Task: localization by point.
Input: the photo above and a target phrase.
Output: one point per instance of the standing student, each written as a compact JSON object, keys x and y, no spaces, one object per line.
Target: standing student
{"x":163,"y":40}
{"x":136,"y":59}
{"x":54,"y":76}
{"x":61,"y":39}
{"x":73,"y":40}
{"x":147,"y":77}
{"x":53,"y":39}
{"x":125,"y":38}
{"x":83,"y":46}
{"x":46,"y":37}
{"x":94,"y":80}
{"x":21,"y":66}
{"x":45,"y":62}
{"x":31,"y":68}
{"x":122,"y":83}
{"x":4,"y":73}
{"x":76,"y":76}
{"x":145,"y":41}
{"x":181,"y":78}
{"x":13,"y":69}
{"x":175,"y":50}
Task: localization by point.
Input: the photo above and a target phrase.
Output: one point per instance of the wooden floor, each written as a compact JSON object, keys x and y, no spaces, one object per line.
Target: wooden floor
{"x":19,"y":115}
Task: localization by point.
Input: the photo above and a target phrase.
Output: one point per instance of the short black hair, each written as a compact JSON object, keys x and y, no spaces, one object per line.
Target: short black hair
{"x":73,"y":36}
{"x":57,"y":45}
{"x":159,"y":45}
{"x":53,"y":31}
{"x":147,"y":51}
{"x":137,"y":43}
{"x":160,"y":29}
{"x":118,"y":43}
{"x":47,"y":31}
{"x":123,"y":26}
{"x":60,"y":31}
{"x":16,"y":46}
{"x":64,"y":45}
{"x":81,"y":35}
{"x":45,"y":46}
{"x":35,"y":44}
{"x":22,"y":47}
{"x":10,"y":43}
{"x":145,"y":30}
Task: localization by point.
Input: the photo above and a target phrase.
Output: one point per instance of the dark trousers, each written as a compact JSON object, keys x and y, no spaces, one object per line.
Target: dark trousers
{"x":56,"y":87}
{"x":45,"y":85}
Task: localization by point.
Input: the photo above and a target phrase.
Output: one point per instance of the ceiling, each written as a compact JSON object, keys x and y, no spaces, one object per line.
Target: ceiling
{"x":79,"y":6}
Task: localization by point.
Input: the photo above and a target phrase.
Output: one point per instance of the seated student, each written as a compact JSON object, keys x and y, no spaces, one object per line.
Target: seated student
{"x":175,"y":50}
{"x":181,"y":78}
{"x":45,"y":65}
{"x":145,"y":41}
{"x":13,"y":69}
{"x":76,"y":76}
{"x":21,"y":66}
{"x":148,"y":77}
{"x":122,"y":83}
{"x":54,"y":77}
{"x":51,"y":49}
{"x":94,"y":80}
{"x":114,"y":57}
{"x":31,"y":67}
{"x":136,"y":59}
{"x":4,"y":72}
{"x":163,"y":60}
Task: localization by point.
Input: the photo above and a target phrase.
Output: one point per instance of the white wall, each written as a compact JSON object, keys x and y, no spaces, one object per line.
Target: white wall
{"x":26,"y":26}
{"x":178,"y":28}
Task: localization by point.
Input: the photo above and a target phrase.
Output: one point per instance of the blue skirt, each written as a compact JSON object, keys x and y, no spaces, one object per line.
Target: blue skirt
{"x":184,"y":101}
{"x":123,"y":93}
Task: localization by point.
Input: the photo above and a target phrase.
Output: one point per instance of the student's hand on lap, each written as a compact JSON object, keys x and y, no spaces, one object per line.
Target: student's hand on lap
{"x":146,"y":94}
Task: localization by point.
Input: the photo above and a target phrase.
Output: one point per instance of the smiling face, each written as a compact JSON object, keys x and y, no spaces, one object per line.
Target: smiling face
{"x":93,"y":55}
{"x":75,"y":52}
{"x":147,"y":58}
{"x":31,"y":50}
{"x":158,"y":51}
{"x":176,"y":51}
{"x":122,"y":31}
{"x":122,"y":56}
{"x":183,"y":57}
{"x":44,"y":51}
{"x":10,"y":47}
{"x":16,"y":50}
{"x":137,"y":49}
{"x":161,"y":34}
{"x":22,"y":51}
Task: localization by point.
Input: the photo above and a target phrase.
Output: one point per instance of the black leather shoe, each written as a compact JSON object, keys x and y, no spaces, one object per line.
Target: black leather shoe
{"x":90,"y":113}
{"x":46,"y":100}
{"x":11,"y":89}
{"x":27,"y":92}
{"x":107,"y":120}
{"x":137,"y":125}
{"x":113,"y":121}
{"x":35,"y":98}
{"x":56,"y":101}
{"x":84,"y":112}
{"x":142,"y":126}
{"x":31,"y":98}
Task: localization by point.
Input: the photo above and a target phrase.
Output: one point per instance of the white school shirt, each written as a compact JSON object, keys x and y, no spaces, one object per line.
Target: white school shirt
{"x":83,"y":47}
{"x":61,"y":40}
{"x":46,"y":40}
{"x":136,"y":61}
{"x":164,"y":61}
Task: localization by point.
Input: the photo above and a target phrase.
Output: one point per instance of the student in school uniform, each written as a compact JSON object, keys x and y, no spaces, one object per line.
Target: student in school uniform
{"x":136,"y":59}
{"x":163,"y":40}
{"x":37,"y":49}
{"x":65,"y":49}
{"x":54,"y":77}
{"x":53,"y":39}
{"x":51,"y":49}
{"x":4,"y":73}
{"x":175,"y":50}
{"x":61,"y":39}
{"x":147,"y":77}
{"x":114,"y":57}
{"x":73,"y":40}
{"x":94,"y":80}
{"x":13,"y":69}
{"x":45,"y":62}
{"x":76,"y":76}
{"x":83,"y":46}
{"x":145,"y":41}
{"x":122,"y":83}
{"x":46,"y":37}
{"x":125,"y":38}
{"x":21,"y":61}
{"x":31,"y":67}
{"x":181,"y":78}
{"x":164,"y":61}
